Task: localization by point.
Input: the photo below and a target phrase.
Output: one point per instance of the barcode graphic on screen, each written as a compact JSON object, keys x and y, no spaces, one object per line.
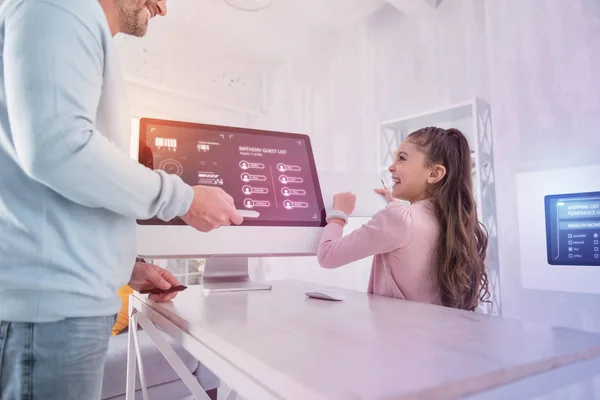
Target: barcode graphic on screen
{"x":162,"y":142}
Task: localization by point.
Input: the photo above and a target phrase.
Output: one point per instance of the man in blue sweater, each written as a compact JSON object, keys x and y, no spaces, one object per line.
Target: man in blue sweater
{"x":70,"y":195}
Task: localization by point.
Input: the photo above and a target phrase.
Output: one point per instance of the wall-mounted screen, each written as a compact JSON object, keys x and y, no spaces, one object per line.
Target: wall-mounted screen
{"x":573,"y":229}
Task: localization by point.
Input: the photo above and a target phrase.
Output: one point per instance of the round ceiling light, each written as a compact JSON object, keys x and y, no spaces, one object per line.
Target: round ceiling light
{"x":249,"y":5}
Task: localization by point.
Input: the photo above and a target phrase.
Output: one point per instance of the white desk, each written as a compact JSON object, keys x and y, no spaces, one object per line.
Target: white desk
{"x":280,"y":344}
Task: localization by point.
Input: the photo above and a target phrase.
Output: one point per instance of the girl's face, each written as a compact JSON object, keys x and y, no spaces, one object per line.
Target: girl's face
{"x":412,"y":175}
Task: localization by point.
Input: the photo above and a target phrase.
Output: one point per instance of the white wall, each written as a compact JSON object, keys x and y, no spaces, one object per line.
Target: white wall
{"x":170,"y":82}
{"x":429,"y":62}
{"x":329,"y":96}
{"x":545,"y":79}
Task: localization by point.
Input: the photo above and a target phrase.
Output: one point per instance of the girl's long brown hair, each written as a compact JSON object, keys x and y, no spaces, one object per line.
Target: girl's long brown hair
{"x":463,"y":240}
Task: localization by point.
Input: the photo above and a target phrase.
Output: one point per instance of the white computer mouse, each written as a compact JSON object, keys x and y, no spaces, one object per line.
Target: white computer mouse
{"x":326,"y":294}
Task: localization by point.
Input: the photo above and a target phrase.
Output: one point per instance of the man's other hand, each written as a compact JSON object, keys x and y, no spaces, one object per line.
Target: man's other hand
{"x":211,"y":208}
{"x":150,"y":276}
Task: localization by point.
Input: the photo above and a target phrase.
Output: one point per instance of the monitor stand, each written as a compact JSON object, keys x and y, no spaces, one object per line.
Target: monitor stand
{"x":229,"y":274}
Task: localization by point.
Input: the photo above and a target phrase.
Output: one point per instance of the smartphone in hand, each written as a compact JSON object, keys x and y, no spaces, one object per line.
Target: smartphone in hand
{"x":177,"y":288}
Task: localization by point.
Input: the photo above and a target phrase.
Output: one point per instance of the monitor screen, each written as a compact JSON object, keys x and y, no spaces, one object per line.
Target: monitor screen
{"x":272,"y":173}
{"x":573,"y":229}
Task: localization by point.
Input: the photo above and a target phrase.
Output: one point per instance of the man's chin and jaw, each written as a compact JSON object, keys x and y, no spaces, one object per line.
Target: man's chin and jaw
{"x":133,"y":16}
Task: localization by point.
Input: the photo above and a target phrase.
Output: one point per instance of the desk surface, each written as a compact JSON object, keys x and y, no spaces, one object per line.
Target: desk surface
{"x":368,"y":347}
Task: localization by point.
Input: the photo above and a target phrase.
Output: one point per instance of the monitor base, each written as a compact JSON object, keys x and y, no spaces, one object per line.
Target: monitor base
{"x":229,"y":274}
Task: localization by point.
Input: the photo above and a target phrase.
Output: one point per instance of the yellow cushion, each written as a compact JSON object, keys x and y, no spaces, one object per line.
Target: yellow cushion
{"x":123,"y":316}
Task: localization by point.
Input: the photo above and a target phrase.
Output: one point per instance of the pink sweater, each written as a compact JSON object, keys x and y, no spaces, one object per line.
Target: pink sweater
{"x":403,"y":239}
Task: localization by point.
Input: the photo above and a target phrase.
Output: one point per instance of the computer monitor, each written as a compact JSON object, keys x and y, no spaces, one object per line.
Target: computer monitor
{"x":273,"y":173}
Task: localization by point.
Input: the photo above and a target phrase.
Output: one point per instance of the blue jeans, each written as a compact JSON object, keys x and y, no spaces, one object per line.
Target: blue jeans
{"x":56,"y":360}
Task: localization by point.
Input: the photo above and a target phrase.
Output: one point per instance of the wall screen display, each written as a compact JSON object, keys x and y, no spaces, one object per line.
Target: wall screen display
{"x":272,"y":173}
{"x":573,"y":229}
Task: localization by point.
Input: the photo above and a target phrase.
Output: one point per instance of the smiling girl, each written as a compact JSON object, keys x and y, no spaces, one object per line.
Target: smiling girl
{"x":430,"y":250}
